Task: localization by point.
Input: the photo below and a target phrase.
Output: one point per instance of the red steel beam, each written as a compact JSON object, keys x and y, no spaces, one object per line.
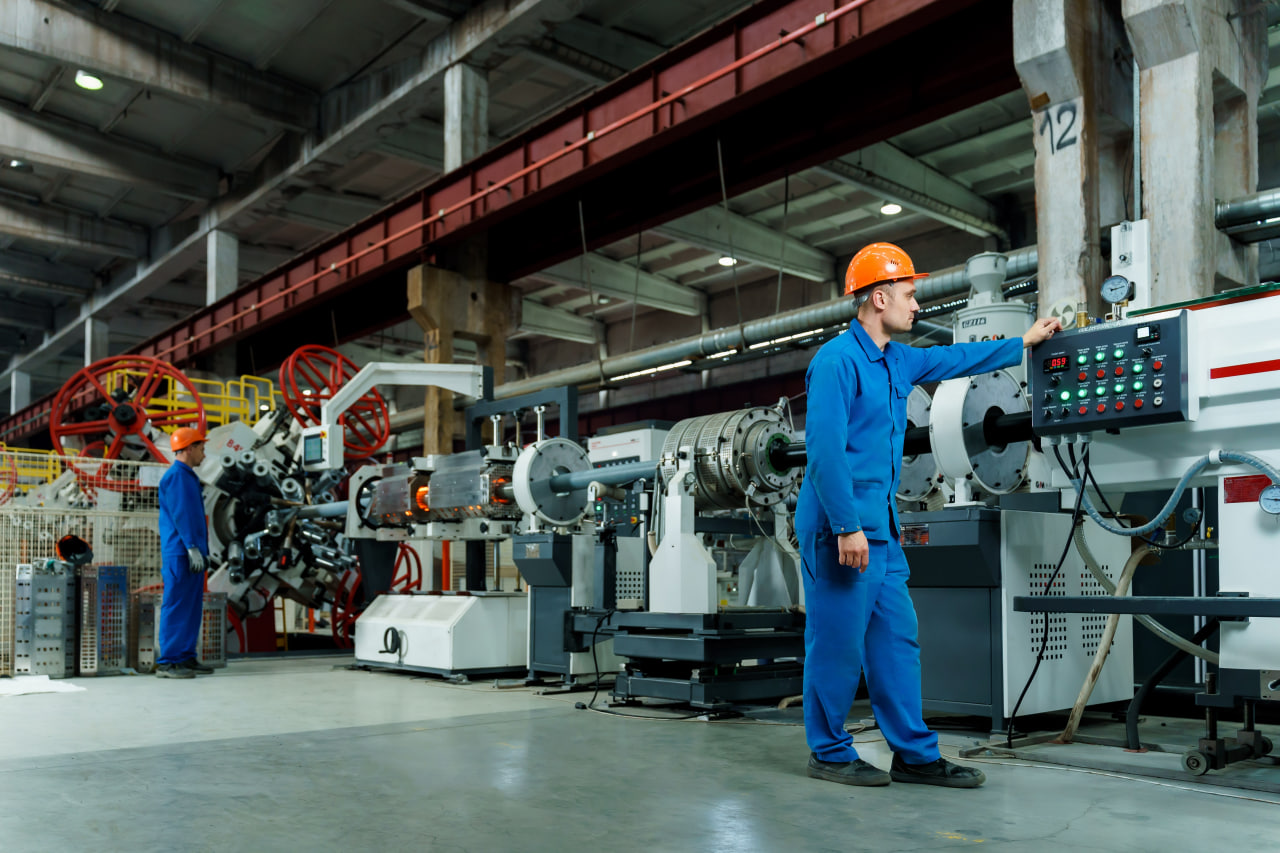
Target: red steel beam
{"x":767,"y":49}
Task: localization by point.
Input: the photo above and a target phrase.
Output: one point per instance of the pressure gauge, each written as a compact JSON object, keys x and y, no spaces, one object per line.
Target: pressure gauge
{"x":1270,"y":499}
{"x":1117,"y":289}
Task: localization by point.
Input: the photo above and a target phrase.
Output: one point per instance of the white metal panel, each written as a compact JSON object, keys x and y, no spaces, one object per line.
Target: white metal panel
{"x":1031,"y":545}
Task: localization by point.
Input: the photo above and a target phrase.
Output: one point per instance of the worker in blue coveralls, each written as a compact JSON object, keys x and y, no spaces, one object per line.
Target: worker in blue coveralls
{"x":184,"y":548}
{"x":859,"y":614}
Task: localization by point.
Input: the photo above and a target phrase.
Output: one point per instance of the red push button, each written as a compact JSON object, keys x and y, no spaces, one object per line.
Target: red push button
{"x":1084,"y":376}
{"x":1137,"y":404}
{"x":1102,"y":374}
{"x":1084,"y":410}
{"x":1119,"y":405}
{"x":1102,"y":407}
{"x":1156,"y":365}
{"x":1119,"y":371}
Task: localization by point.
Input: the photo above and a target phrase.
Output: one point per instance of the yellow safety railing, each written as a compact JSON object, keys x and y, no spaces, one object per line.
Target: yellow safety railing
{"x":245,"y":399}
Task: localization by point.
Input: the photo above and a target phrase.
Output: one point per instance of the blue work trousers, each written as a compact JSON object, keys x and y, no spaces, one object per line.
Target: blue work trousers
{"x":861,"y":621}
{"x":180,"y":611}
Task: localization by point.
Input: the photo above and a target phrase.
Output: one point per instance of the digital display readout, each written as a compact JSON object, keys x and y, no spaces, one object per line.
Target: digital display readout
{"x":1055,"y":364}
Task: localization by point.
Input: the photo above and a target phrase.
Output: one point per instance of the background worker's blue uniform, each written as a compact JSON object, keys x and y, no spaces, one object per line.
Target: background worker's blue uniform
{"x":182,"y":526}
{"x":856,"y":421}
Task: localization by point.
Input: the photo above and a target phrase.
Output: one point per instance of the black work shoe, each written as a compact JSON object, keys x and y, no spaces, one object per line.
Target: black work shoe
{"x":940,"y":772}
{"x":173,"y":670}
{"x":856,"y":772}
{"x":197,"y":667}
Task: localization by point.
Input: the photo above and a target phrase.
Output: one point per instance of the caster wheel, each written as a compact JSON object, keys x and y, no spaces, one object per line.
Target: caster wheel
{"x":1265,"y":746}
{"x":1195,"y":763}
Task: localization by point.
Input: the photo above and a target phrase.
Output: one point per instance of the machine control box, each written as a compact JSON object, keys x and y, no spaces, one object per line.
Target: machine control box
{"x":1111,"y":376}
{"x":622,"y":447}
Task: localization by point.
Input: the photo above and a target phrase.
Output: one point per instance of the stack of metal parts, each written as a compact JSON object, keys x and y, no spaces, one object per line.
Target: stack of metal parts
{"x":44,"y":621}
{"x":144,"y":625}
{"x":104,"y":620}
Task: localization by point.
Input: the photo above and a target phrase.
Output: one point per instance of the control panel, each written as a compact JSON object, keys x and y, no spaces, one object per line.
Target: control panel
{"x":622,"y":447}
{"x":1111,"y":376}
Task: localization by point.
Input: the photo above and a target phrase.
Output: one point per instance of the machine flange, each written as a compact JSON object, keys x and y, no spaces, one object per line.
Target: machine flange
{"x":530,"y":481}
{"x":919,"y":476}
{"x":961,"y":408}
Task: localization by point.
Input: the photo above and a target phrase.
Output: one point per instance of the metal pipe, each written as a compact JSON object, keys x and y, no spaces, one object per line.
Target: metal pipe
{"x":614,"y":475}
{"x":1249,"y":210}
{"x":948,"y":282}
{"x":329,"y":510}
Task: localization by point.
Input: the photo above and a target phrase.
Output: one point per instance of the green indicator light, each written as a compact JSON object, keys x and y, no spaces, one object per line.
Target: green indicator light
{"x":1101,"y":356}
{"x":1082,"y":359}
{"x":1065,"y":395}
{"x":1118,"y":353}
{"x":1119,"y":387}
{"x":1137,"y":368}
{"x":1137,"y":386}
{"x":1100,"y":390}
{"x":1082,"y":393}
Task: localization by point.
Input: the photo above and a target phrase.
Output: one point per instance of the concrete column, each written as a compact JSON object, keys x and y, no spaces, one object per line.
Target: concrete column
{"x":222,"y":256}
{"x":1066,"y":55}
{"x":1203,"y":64}
{"x":19,"y":391}
{"x":96,"y":340}
{"x":222,"y":278}
{"x":449,"y":305}
{"x":466,"y":114}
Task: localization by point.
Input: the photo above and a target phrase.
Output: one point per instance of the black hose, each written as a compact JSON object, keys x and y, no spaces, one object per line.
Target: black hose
{"x":1153,"y":680}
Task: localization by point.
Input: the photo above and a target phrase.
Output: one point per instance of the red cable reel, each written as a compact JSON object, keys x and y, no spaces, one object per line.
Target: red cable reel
{"x":118,"y":420}
{"x":311,"y":376}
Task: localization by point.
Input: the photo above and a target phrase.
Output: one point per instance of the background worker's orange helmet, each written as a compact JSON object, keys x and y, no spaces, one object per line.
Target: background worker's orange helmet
{"x":876,"y":263}
{"x":184,"y":437}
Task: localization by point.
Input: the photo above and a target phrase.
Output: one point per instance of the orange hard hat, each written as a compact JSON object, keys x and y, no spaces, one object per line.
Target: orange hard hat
{"x":184,"y":437}
{"x":878,"y":263}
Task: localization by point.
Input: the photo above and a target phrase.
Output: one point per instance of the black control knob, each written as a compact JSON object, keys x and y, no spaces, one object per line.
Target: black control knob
{"x":1055,"y":380}
{"x":1065,"y":411}
{"x":1146,"y":352}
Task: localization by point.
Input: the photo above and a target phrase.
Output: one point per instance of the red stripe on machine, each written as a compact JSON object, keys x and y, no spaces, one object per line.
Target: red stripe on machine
{"x":1242,"y":490}
{"x":1245,"y":369}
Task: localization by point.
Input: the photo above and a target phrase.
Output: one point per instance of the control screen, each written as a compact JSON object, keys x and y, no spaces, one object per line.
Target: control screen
{"x":1056,"y":363}
{"x":312,"y":450}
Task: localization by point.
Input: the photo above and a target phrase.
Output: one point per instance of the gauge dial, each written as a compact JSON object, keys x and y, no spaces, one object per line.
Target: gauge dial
{"x":1270,"y":499}
{"x":1117,"y":288}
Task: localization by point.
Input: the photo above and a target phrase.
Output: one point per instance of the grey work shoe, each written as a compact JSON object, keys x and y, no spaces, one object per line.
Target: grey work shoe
{"x":197,"y":667}
{"x":940,"y":772}
{"x":173,"y":670}
{"x":856,"y":772}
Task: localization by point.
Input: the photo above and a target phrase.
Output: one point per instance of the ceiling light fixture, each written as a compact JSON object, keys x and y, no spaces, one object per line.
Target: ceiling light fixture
{"x":85,"y":80}
{"x":727,"y":261}
{"x":890,"y":208}
{"x":602,"y":300}
{"x":18,"y":166}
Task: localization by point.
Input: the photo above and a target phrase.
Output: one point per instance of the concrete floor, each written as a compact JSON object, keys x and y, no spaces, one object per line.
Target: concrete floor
{"x":295,"y":754}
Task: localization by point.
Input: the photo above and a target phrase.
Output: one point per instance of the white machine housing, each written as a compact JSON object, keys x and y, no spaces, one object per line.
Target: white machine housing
{"x":1233,"y":388}
{"x":472,"y":634}
{"x":1030,"y":544}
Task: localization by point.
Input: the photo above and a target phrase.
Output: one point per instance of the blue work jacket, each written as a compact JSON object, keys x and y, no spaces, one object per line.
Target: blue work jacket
{"x":182,"y":522}
{"x":857,"y":419}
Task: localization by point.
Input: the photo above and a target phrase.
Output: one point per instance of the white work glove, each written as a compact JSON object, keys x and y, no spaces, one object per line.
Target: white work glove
{"x":196,"y":560}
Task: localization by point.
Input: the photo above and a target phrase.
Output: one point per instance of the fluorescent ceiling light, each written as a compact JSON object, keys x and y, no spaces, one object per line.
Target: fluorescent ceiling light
{"x":890,"y":209}
{"x":727,"y":261}
{"x":651,"y":370}
{"x":85,"y":80}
